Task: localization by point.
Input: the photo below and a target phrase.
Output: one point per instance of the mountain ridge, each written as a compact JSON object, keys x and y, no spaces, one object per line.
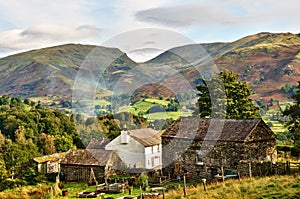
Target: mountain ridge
{"x":267,"y":61}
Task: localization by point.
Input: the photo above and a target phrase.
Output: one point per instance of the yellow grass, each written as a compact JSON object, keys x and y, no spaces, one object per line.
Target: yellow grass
{"x":267,"y":187}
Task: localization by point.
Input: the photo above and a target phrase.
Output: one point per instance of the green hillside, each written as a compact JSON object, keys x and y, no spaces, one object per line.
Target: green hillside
{"x":267,"y":61}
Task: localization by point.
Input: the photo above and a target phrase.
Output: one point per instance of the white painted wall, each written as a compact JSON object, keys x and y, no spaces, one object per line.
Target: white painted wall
{"x":153,"y":156}
{"x":132,"y":154}
{"x":136,"y":155}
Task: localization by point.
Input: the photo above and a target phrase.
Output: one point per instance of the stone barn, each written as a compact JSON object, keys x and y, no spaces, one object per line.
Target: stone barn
{"x":203,"y":146}
{"x":77,"y":165}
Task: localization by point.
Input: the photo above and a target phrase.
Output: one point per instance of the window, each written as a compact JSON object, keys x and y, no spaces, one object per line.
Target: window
{"x":177,"y":167}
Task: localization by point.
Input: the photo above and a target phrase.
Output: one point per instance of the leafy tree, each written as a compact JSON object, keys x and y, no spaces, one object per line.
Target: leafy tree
{"x":46,"y":144}
{"x":16,"y":102}
{"x":63,"y":143}
{"x":3,"y":172}
{"x":34,"y":122}
{"x":293,"y":114}
{"x":16,"y":154}
{"x":237,"y":101}
{"x":2,"y":140}
{"x":109,"y":126}
{"x":5,"y":100}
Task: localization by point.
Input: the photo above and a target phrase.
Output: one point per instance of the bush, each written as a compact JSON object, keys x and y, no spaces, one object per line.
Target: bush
{"x":10,"y":184}
{"x":270,"y":124}
{"x":295,"y":151}
{"x":284,"y":148}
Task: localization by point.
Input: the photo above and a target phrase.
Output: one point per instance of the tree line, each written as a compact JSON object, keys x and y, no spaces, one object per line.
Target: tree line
{"x":28,"y":130}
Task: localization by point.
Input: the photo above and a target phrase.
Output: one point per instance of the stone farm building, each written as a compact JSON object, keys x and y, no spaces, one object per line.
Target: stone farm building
{"x":138,"y":148}
{"x":203,"y":146}
{"x":78,"y":164}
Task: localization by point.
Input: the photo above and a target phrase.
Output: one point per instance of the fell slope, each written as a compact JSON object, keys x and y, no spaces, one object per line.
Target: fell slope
{"x":53,"y":70}
{"x":267,"y":61}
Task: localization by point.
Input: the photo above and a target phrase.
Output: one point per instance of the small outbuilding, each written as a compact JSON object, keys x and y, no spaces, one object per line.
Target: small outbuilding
{"x":49,"y":163}
{"x":78,"y":165}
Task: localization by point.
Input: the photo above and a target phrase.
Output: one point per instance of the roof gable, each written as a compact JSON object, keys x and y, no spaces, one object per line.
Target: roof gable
{"x":200,"y":129}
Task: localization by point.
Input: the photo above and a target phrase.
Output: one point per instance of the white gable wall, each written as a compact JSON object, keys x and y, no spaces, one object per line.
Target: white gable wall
{"x":153,"y":156}
{"x":132,"y":154}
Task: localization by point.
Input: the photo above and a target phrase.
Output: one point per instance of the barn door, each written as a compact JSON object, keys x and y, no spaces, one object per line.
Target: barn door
{"x":213,"y":172}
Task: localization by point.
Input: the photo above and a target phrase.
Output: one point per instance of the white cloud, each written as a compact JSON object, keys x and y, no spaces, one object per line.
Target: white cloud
{"x":125,"y":11}
{"x":231,"y":13}
{"x":45,"y":35}
{"x":184,"y":15}
{"x":36,"y":24}
{"x":27,"y":13}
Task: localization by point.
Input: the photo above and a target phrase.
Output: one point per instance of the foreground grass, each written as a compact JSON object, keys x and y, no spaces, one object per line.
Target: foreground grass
{"x":267,"y":187}
{"x":274,"y":187}
{"x":43,"y":191}
{"x":27,"y":192}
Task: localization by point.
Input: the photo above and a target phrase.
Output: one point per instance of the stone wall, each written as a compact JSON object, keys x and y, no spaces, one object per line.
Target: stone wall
{"x":234,"y":157}
{"x":78,"y":173}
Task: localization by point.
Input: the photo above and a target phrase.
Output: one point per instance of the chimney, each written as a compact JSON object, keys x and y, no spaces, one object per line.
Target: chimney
{"x":151,"y":126}
{"x":124,"y":135}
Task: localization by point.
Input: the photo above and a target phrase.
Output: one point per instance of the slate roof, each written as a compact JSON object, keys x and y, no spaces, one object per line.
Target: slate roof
{"x":200,"y":129}
{"x":98,"y":144}
{"x":146,"y":136}
{"x":96,"y":157}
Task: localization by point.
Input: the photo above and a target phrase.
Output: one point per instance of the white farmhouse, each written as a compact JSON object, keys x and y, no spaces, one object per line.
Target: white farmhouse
{"x":139,"y":148}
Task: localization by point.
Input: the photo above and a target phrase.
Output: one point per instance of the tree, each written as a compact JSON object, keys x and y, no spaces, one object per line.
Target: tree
{"x":63,"y":143}
{"x":2,"y":140}
{"x":46,"y":144}
{"x":238,"y":104}
{"x":3,"y":172}
{"x":18,"y":153}
{"x":293,"y":114}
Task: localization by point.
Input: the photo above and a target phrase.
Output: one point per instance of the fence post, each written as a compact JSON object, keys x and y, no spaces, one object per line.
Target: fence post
{"x":288,"y":171}
{"x":222,"y":170}
{"x":260,"y":172}
{"x":141,"y":191}
{"x":250,"y":170}
{"x":204,"y":184}
{"x":184,"y":186}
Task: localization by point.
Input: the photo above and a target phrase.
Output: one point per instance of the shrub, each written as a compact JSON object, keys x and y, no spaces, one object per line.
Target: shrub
{"x":10,"y":184}
{"x":295,"y":151}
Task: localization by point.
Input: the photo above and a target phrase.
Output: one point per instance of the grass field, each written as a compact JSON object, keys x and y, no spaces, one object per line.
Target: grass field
{"x":144,"y":105}
{"x":276,"y":126}
{"x":166,"y":115}
{"x":43,"y":191}
{"x":287,"y":187}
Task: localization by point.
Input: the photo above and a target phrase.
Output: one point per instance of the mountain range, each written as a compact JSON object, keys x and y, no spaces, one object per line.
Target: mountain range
{"x":267,"y":61}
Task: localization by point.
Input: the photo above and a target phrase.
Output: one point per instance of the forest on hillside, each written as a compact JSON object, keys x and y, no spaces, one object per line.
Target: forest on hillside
{"x":29,"y":130}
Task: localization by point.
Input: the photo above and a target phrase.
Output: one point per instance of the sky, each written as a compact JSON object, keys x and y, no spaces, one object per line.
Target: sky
{"x":34,"y":24}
